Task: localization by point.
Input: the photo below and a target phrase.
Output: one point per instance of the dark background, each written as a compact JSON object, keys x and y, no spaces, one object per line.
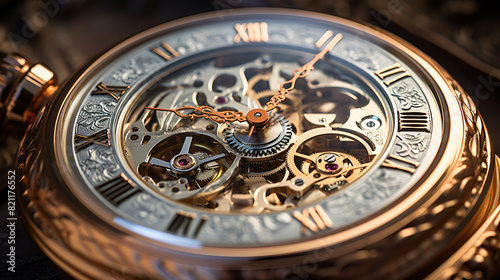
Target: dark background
{"x":461,"y":35}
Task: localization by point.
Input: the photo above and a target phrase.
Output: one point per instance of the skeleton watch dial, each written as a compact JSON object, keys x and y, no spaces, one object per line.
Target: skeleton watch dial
{"x":258,"y":129}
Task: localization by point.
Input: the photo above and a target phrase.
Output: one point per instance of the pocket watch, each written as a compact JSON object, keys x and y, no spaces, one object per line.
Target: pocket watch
{"x":263,"y":144}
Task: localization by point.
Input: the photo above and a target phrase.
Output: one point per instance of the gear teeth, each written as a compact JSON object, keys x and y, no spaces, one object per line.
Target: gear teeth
{"x":256,"y":153}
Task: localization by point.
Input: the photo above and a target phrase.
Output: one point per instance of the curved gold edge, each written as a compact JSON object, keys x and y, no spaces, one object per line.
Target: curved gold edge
{"x":476,"y":259}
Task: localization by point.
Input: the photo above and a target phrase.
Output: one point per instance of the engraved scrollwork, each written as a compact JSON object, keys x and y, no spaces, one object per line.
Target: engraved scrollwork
{"x":376,"y":136}
{"x":426,"y":232}
{"x":96,"y":115}
{"x":381,"y":185}
{"x":98,"y":164}
{"x":408,"y":97}
{"x":362,"y":55}
{"x":232,"y":229}
{"x":482,"y":259}
{"x":134,"y":68}
{"x":411,"y":145}
{"x":148,"y":208}
{"x":203,"y":38}
{"x":38,"y":197}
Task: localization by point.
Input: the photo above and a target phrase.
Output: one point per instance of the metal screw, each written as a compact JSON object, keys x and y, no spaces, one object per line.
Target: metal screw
{"x":299,"y":182}
{"x":257,"y":115}
{"x":330,"y":158}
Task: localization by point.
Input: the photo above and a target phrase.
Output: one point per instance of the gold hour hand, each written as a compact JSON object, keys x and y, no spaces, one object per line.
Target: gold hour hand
{"x":300,"y":72}
{"x":206,"y":112}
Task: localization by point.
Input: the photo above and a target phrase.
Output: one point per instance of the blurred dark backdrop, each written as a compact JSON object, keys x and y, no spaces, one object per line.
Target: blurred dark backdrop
{"x":461,"y":35}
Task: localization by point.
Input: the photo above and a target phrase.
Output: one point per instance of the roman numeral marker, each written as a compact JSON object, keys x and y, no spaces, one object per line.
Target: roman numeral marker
{"x":414,"y":121}
{"x":183,"y":222}
{"x":167,"y":56}
{"x":117,"y":190}
{"x":101,"y":137}
{"x":251,"y":32}
{"x":320,"y":220}
{"x":322,"y":41}
{"x":393,"y":73}
{"x":395,"y":162}
{"x":115,"y":91}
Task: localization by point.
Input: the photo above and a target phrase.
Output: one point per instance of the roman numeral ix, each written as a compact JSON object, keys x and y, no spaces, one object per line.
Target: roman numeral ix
{"x":101,"y":137}
{"x":114,"y":91}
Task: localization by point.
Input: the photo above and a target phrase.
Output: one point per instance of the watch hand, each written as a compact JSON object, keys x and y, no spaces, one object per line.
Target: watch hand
{"x":300,"y":72}
{"x":207,"y":113}
{"x":255,"y":117}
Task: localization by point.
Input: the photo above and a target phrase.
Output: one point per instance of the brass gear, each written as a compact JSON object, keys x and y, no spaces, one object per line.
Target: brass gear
{"x":341,"y":178}
{"x":271,"y":168}
{"x":277,"y":135}
{"x":255,"y":95}
{"x":204,"y":145}
{"x":208,"y":171}
{"x":300,"y":163}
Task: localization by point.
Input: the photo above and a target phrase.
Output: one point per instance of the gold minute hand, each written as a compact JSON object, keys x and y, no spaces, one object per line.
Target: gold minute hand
{"x":300,"y":72}
{"x":206,"y":112}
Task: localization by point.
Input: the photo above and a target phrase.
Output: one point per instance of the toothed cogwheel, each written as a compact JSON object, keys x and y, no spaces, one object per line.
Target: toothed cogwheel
{"x":209,"y":170}
{"x":348,"y":160}
{"x":262,"y":144}
{"x":321,"y":148}
{"x":271,"y":168}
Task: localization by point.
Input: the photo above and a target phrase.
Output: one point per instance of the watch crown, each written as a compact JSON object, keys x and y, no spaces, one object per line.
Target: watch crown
{"x":24,"y":89}
{"x":12,"y":66}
